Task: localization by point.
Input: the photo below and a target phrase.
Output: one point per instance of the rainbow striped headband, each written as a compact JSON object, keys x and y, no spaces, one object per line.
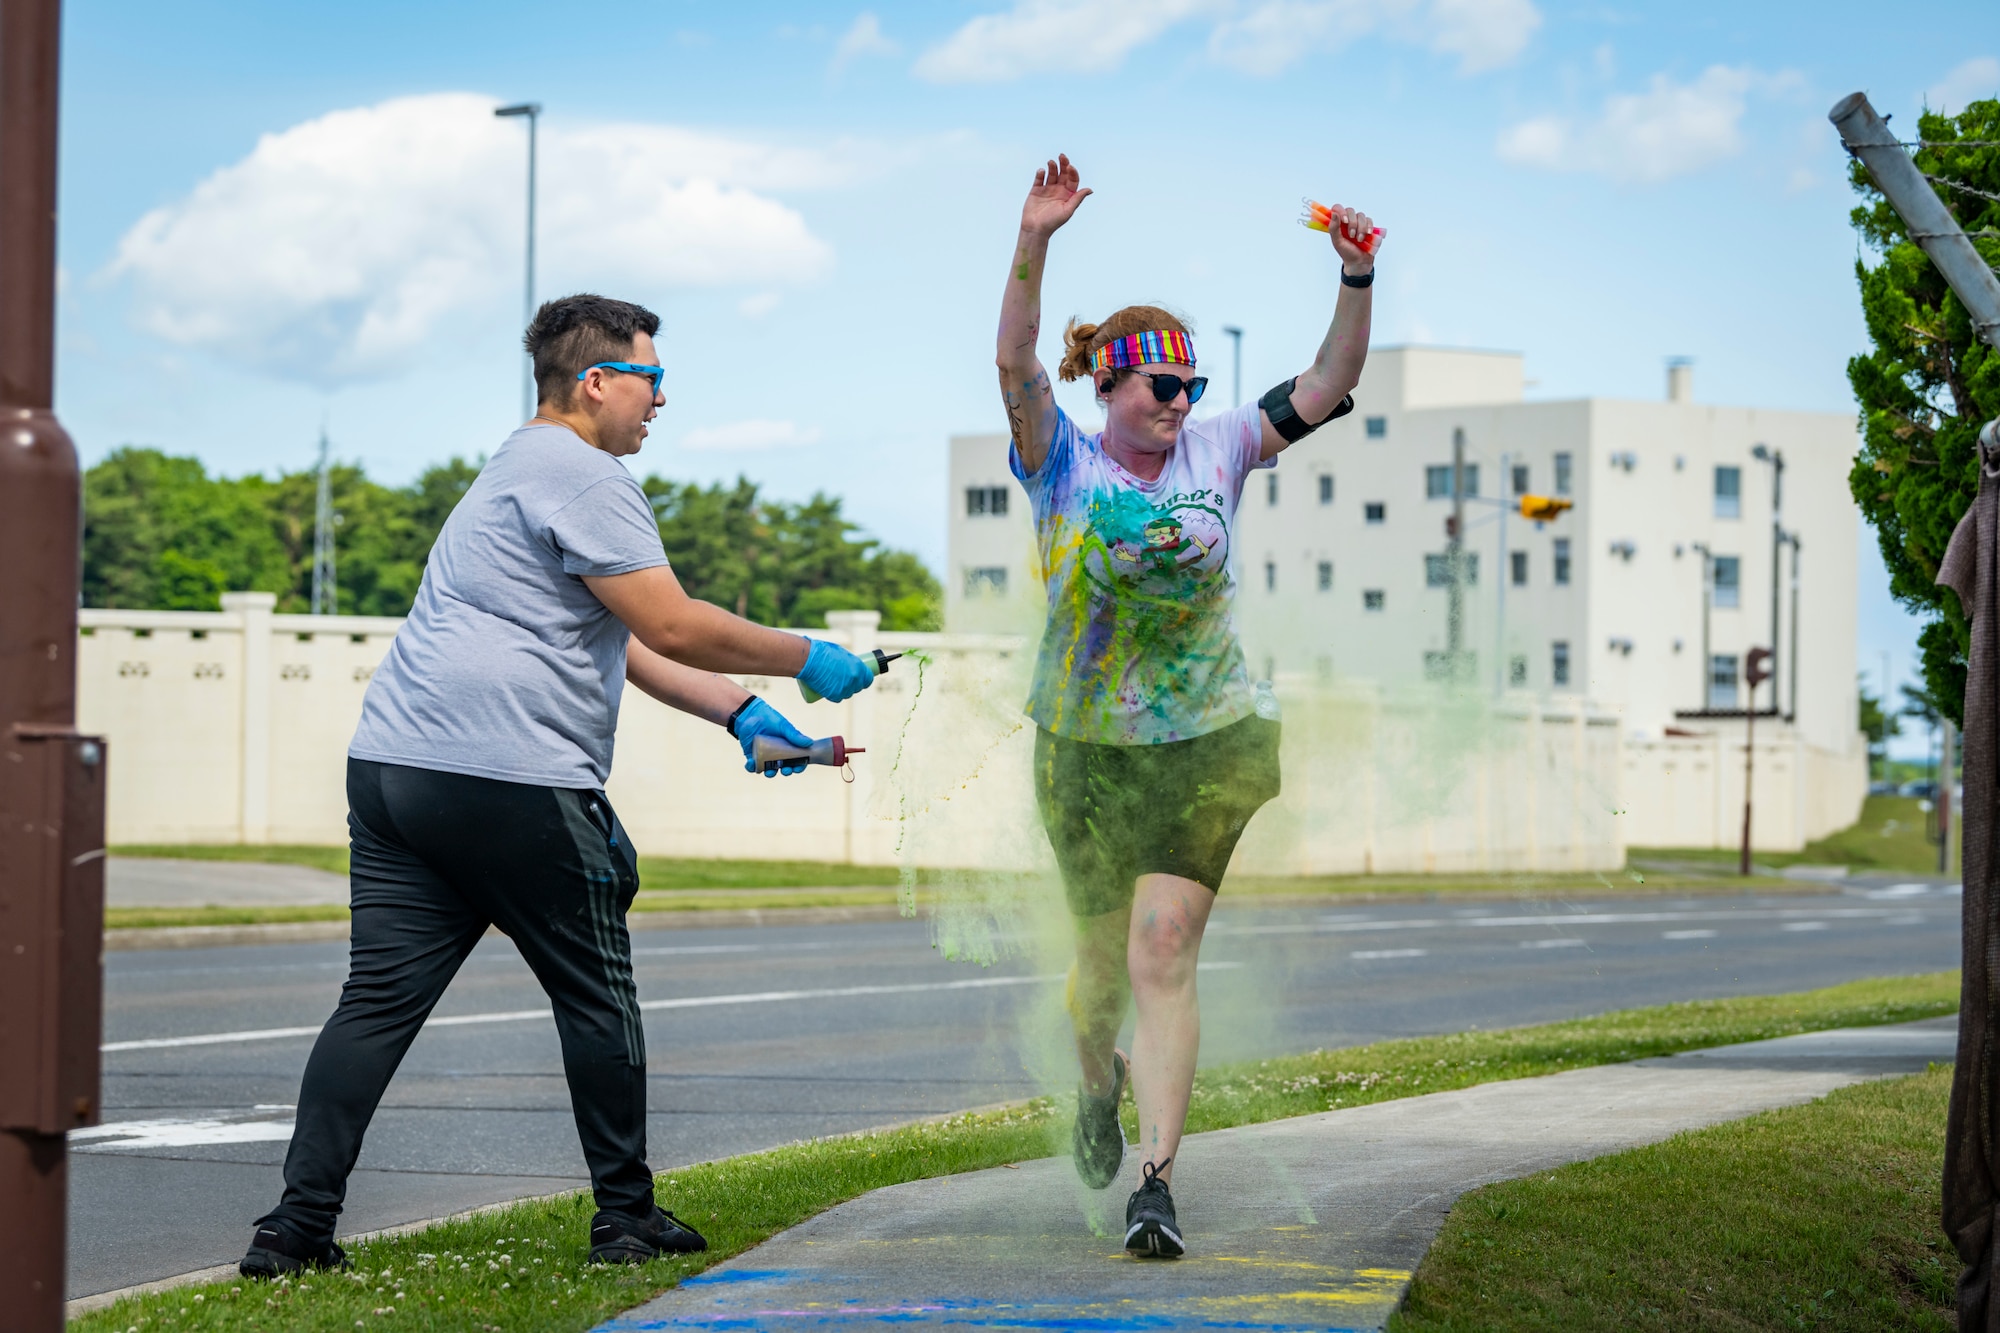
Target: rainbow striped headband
{"x":1154,"y":346}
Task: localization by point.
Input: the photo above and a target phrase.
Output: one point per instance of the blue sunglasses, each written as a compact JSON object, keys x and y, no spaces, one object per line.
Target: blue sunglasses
{"x":653,"y":373}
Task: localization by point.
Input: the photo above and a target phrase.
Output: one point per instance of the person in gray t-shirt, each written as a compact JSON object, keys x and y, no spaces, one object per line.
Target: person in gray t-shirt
{"x":475,"y":781}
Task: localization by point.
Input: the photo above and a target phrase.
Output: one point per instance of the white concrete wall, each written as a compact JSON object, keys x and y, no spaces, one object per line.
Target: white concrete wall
{"x":1687,"y":790}
{"x":196,"y":705}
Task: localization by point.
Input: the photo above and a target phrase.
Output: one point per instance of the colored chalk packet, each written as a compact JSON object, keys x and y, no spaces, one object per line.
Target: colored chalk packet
{"x":1318,"y":217}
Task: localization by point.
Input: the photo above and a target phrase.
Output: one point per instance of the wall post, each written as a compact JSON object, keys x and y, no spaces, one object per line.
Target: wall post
{"x":255,"y":610}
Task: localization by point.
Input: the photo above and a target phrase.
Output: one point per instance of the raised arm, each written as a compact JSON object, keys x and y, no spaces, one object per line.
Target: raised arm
{"x":1024,"y":383}
{"x":1336,"y":369}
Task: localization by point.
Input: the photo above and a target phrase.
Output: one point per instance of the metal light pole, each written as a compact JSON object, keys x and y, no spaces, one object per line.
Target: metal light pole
{"x":1236,"y":351}
{"x":325,"y":584}
{"x":1500,"y":576}
{"x":1793,"y":668}
{"x":51,"y":779}
{"x":533,"y":111}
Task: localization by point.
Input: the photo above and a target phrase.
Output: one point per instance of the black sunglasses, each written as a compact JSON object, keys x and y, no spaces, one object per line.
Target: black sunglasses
{"x":1167,"y":387}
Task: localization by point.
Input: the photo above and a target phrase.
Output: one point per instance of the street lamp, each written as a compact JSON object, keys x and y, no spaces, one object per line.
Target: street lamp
{"x":533,"y":111}
{"x":1236,"y":337}
{"x":1763,"y":453}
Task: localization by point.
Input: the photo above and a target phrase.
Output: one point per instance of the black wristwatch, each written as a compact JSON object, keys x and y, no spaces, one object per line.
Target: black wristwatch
{"x":1349,"y":280}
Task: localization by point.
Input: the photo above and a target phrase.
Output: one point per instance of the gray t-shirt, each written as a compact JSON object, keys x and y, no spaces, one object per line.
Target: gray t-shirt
{"x":508,"y":666}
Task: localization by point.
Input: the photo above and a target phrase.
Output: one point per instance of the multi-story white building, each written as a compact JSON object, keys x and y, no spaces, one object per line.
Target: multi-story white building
{"x":1645,"y":598}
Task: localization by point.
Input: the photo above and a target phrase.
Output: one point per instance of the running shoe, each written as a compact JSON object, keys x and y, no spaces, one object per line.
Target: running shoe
{"x":1150,"y":1229}
{"x":1097,"y":1140}
{"x":276,"y":1249}
{"x":619,"y":1238}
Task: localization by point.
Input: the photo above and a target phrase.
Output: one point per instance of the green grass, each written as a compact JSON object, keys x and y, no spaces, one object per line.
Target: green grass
{"x":521,"y":1268}
{"x":1821,"y":1216}
{"x":140,"y":918}
{"x":333,"y":859}
{"x":1889,"y":836}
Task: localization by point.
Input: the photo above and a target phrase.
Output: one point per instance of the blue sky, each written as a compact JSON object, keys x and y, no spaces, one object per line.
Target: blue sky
{"x":278,"y":214}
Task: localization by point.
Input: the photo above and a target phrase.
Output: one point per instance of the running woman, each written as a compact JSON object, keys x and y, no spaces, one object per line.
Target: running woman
{"x":1150,"y":754}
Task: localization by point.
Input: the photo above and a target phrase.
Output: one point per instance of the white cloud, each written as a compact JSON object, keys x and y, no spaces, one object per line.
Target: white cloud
{"x":335,"y":248}
{"x":758,"y":304}
{"x":1973,"y":81}
{"x":864,"y":38}
{"x":1273,"y":35}
{"x":1052,"y":37}
{"x":1669,"y":130}
{"x":756,"y":433}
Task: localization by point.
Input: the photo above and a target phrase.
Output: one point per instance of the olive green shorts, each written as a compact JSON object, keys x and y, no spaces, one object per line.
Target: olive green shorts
{"x":1116,"y":812}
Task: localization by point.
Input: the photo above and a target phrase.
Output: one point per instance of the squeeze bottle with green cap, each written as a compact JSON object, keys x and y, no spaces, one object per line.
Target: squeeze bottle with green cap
{"x":882,"y":661}
{"x":769,"y":753}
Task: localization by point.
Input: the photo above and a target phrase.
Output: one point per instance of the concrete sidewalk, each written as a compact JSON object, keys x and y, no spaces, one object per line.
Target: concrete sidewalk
{"x":1312,"y":1223}
{"x":135,"y":881}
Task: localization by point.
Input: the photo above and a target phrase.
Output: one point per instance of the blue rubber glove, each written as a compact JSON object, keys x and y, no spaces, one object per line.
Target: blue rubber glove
{"x":760,"y":719}
{"x":834,"y":672}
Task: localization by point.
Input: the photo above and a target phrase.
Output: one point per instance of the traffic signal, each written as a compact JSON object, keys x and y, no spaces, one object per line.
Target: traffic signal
{"x":1542,"y":508}
{"x":1757,"y":667}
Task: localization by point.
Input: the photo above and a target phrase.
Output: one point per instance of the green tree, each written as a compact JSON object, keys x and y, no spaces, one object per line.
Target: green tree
{"x":1879,"y":726}
{"x":1927,"y":385}
{"x":160,"y":533}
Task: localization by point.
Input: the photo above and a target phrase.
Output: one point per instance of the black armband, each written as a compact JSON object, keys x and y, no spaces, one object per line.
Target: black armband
{"x":730,"y":725}
{"x":1277,"y":405}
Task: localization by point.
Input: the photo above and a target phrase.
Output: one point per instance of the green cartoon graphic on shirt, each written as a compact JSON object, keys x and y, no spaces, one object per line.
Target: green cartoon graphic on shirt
{"x":1173,"y":549}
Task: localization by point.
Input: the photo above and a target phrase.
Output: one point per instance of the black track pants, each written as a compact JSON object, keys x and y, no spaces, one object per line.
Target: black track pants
{"x":436,"y":858}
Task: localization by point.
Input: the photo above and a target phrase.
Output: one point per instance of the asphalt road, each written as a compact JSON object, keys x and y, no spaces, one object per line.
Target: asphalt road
{"x":765,"y":1036}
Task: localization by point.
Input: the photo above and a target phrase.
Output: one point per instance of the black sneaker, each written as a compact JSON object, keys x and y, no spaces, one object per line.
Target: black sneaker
{"x":1097,"y":1140}
{"x":619,"y":1238}
{"x":1150,"y":1229}
{"x":276,"y":1250}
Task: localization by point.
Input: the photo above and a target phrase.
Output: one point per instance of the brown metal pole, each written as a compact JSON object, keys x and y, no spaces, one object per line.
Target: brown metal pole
{"x":1749,"y":760}
{"x":51,"y":780}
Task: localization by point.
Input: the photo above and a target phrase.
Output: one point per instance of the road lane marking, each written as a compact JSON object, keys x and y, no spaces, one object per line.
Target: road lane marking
{"x":1803,"y":925}
{"x":1339,"y":925}
{"x":645,"y":1006}
{"x":1389,"y":953}
{"x":189,"y":1132}
{"x":1688,"y":934}
{"x":1553,"y":944}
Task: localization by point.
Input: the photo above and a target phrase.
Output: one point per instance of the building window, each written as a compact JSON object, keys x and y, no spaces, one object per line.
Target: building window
{"x":1562,"y":474}
{"x":1270,"y":576}
{"x":981,"y":501}
{"x":1722,"y":680}
{"x":1520,"y":478}
{"x":1437,"y":481}
{"x":986,"y":580}
{"x":1728,"y":581}
{"x":1374,"y":511}
{"x":1378,"y":428}
{"x":1437,"y":569}
{"x":1518,"y":571}
{"x":1729,"y":492}
{"x":1559,"y":663}
{"x":1371,"y":600}
{"x":1326,"y":488}
{"x":1561,"y":561}
{"x":1271,"y":488}
{"x":1517,"y":670}
{"x":1325,"y":575}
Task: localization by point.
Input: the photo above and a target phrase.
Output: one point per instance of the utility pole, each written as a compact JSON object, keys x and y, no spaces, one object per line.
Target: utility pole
{"x":533,"y":112}
{"x":1500,"y":576}
{"x":1793,"y":661}
{"x":1236,"y":338}
{"x":325,"y":587}
{"x":1455,"y":556}
{"x":1947,"y":761}
{"x":1756,"y":670}
{"x":51,"y":779}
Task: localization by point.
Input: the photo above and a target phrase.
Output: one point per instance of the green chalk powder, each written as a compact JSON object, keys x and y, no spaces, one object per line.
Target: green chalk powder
{"x":1022,"y":273}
